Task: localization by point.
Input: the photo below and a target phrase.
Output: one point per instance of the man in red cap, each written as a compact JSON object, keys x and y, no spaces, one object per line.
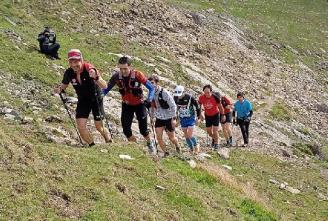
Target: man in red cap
{"x":86,"y":81}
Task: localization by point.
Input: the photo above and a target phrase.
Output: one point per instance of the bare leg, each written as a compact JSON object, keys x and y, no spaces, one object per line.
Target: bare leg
{"x":103,"y":131}
{"x":173,"y":138}
{"x":82,"y":127}
{"x":215,"y":135}
{"x":159,"y":135}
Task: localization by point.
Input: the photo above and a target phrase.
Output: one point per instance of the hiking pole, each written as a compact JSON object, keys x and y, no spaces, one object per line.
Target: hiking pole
{"x":70,"y":116}
{"x":207,"y":141}
{"x":102,"y":112}
{"x":152,"y":127}
{"x":233,"y":132}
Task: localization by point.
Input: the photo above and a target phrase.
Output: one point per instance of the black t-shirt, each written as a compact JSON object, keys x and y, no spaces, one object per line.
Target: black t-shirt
{"x":194,"y":106}
{"x":87,"y":90}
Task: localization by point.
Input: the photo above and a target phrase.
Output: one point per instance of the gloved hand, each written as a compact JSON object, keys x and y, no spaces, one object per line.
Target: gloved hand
{"x":147,"y":104}
{"x":248,"y":119}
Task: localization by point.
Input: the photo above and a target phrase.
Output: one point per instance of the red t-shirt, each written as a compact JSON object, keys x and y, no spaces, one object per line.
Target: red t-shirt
{"x":210,"y":105}
{"x":225,"y":102}
{"x":131,"y":99}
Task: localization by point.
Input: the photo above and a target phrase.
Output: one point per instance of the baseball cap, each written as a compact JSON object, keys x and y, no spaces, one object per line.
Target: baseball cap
{"x":74,"y":54}
{"x":178,"y":91}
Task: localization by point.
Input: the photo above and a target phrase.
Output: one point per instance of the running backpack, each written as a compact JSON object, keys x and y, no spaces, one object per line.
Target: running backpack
{"x":163,"y":103}
{"x":217,"y":97}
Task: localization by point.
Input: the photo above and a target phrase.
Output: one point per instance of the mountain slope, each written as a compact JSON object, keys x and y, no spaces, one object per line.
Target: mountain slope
{"x":44,"y":175}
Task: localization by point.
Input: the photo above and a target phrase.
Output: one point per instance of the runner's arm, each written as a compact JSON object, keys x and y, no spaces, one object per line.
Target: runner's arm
{"x":60,"y":88}
{"x":250,"y":110}
{"x":110,"y":85}
{"x":171,"y":102}
{"x":64,"y":84}
{"x":250,"y":113}
{"x":151,"y":90}
{"x":196,"y":105}
{"x":221,"y":109}
{"x":94,"y":73}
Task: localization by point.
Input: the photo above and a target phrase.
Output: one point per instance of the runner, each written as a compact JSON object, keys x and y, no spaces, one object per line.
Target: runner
{"x":244,"y":111}
{"x":164,"y":109}
{"x":86,"y":81}
{"x":129,"y":82}
{"x":212,"y":108}
{"x":188,"y":109}
{"x":226,"y":124}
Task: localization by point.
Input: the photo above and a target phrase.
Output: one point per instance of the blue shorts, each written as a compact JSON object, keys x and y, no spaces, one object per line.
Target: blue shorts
{"x":187,"y":122}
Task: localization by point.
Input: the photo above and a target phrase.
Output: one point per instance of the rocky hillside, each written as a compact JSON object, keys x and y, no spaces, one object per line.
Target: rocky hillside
{"x":193,"y":43}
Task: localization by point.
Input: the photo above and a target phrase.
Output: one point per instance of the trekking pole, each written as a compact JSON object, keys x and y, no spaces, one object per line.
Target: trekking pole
{"x":234,"y":136}
{"x":102,"y":113}
{"x":207,"y":141}
{"x":70,"y":116}
{"x":152,"y":128}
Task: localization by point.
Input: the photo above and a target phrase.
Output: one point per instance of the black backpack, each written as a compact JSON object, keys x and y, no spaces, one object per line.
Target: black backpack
{"x":163,"y":103}
{"x":217,"y":97}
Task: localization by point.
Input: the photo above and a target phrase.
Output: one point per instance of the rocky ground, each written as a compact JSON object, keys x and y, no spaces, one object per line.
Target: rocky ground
{"x":283,"y":172}
{"x":210,"y":48}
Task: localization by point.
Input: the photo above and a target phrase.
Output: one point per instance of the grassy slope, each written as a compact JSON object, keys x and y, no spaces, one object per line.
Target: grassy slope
{"x":41,"y":180}
{"x":301,"y":24}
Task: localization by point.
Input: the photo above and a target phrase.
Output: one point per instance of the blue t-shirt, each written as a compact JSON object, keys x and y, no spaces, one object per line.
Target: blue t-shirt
{"x":243,"y":109}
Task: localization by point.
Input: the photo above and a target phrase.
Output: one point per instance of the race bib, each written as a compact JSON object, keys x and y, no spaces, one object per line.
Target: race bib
{"x":184,"y":112}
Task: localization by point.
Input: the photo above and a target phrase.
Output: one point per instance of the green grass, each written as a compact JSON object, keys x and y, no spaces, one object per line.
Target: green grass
{"x":41,"y":180}
{"x":255,"y":212}
{"x":279,"y":111}
{"x":258,"y":169}
{"x":82,"y":183}
{"x":300,"y":24}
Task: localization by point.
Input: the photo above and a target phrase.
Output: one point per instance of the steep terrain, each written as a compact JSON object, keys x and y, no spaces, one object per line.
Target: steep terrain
{"x":277,"y":55}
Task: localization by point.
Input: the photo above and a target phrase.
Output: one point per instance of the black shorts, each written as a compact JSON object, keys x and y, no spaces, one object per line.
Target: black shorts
{"x":167,"y":124}
{"x":84,"y":108}
{"x":228,"y":118}
{"x":212,"y":120}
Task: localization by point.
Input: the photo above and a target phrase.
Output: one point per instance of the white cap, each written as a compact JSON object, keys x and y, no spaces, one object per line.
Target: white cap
{"x":178,"y":91}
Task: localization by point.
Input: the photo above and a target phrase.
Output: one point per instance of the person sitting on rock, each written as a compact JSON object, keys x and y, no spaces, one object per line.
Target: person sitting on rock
{"x":129,"y":82}
{"x":164,"y":109}
{"x":86,"y":81}
{"x":244,"y":111}
{"x":48,"y":44}
{"x":189,"y":115}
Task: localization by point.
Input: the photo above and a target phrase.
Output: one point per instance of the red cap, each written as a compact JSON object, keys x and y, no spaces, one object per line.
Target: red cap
{"x":74,"y":54}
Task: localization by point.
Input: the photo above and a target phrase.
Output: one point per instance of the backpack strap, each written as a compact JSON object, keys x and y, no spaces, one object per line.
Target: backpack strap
{"x":216,"y":96}
{"x":133,"y":75}
{"x":189,"y":102}
{"x":160,"y":94}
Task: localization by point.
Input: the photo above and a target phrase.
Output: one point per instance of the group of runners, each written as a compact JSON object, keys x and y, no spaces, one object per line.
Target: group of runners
{"x":165,"y":110}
